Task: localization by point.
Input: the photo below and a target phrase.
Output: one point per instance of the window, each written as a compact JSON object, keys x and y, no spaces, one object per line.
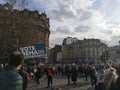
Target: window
{"x":43,"y":34}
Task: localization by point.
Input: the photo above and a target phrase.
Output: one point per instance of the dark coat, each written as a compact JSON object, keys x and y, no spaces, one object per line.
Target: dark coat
{"x":67,"y":71}
{"x":118,"y":83}
{"x":38,"y":73}
{"x":25,"y":79}
{"x":115,"y":86}
{"x":10,"y":79}
{"x":74,"y":74}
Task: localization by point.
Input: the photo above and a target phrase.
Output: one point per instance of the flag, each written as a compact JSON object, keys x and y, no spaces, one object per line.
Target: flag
{"x":86,"y":61}
{"x":94,"y":61}
{"x":77,"y":61}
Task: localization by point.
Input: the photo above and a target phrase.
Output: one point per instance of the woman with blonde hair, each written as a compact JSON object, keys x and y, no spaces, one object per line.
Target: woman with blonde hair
{"x":110,"y":80}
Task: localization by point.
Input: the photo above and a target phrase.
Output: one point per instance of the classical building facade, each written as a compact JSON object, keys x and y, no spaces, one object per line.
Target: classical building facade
{"x":114,"y":54}
{"x":70,"y":50}
{"x":73,"y":49}
{"x":54,"y":54}
{"x":23,"y":28}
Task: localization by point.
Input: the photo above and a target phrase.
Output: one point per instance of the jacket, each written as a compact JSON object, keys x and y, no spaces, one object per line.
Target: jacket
{"x":10,"y":79}
{"x":115,"y":86}
{"x":25,"y":79}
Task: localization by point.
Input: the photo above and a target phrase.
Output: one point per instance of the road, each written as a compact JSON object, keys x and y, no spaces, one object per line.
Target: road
{"x":62,"y":83}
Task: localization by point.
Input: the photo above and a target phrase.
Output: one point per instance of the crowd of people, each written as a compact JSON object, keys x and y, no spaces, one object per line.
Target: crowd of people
{"x":16,"y":76}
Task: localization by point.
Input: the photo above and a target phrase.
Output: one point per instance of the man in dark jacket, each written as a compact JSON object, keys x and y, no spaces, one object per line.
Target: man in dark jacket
{"x":68,"y":73}
{"x":9,"y":76}
{"x":23,"y":73}
{"x":74,"y":74}
{"x":38,"y":75}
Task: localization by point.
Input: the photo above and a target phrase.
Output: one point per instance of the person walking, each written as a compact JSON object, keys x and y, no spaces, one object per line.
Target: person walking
{"x":86,"y":73}
{"x":74,"y":74}
{"x":94,"y":76}
{"x":10,"y":79}
{"x":38,"y":75}
{"x":68,"y":73}
{"x":49,"y":75}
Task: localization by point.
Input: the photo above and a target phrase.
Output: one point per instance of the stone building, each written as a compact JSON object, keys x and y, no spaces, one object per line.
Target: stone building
{"x":74,"y":49}
{"x":114,"y":54}
{"x":70,"y":50}
{"x":22,"y":28}
{"x":53,"y":54}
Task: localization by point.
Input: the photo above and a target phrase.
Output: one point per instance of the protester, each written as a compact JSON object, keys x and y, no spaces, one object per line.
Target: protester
{"x":24,"y":75}
{"x":49,"y":75}
{"x":86,"y":73}
{"x":94,"y":76}
{"x":38,"y":75}
{"x":110,"y":81}
{"x":74,"y":74}
{"x":100,"y":71}
{"x":30,"y":78}
{"x":10,"y":79}
{"x":68,"y":73}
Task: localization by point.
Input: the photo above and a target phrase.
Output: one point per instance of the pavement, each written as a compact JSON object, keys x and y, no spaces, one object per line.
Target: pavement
{"x":62,"y":83}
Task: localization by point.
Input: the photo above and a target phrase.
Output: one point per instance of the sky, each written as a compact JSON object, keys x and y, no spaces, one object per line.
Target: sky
{"x":99,"y":19}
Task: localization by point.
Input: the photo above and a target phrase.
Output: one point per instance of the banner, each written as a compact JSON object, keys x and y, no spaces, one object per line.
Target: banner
{"x":35,"y":51}
{"x":94,"y":61}
{"x":78,"y":61}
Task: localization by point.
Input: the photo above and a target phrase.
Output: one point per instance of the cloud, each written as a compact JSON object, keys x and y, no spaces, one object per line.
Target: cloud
{"x":84,"y":15}
{"x":114,"y":40}
{"x":62,"y":30}
{"x":55,"y":41}
{"x":82,"y":28}
{"x":64,"y":12}
{"x":81,"y":18}
{"x":2,"y":1}
{"x":116,"y":37}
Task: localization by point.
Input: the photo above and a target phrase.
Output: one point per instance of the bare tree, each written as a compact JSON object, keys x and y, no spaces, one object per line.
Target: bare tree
{"x":18,"y":4}
{"x":21,"y":4}
{"x":11,"y":2}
